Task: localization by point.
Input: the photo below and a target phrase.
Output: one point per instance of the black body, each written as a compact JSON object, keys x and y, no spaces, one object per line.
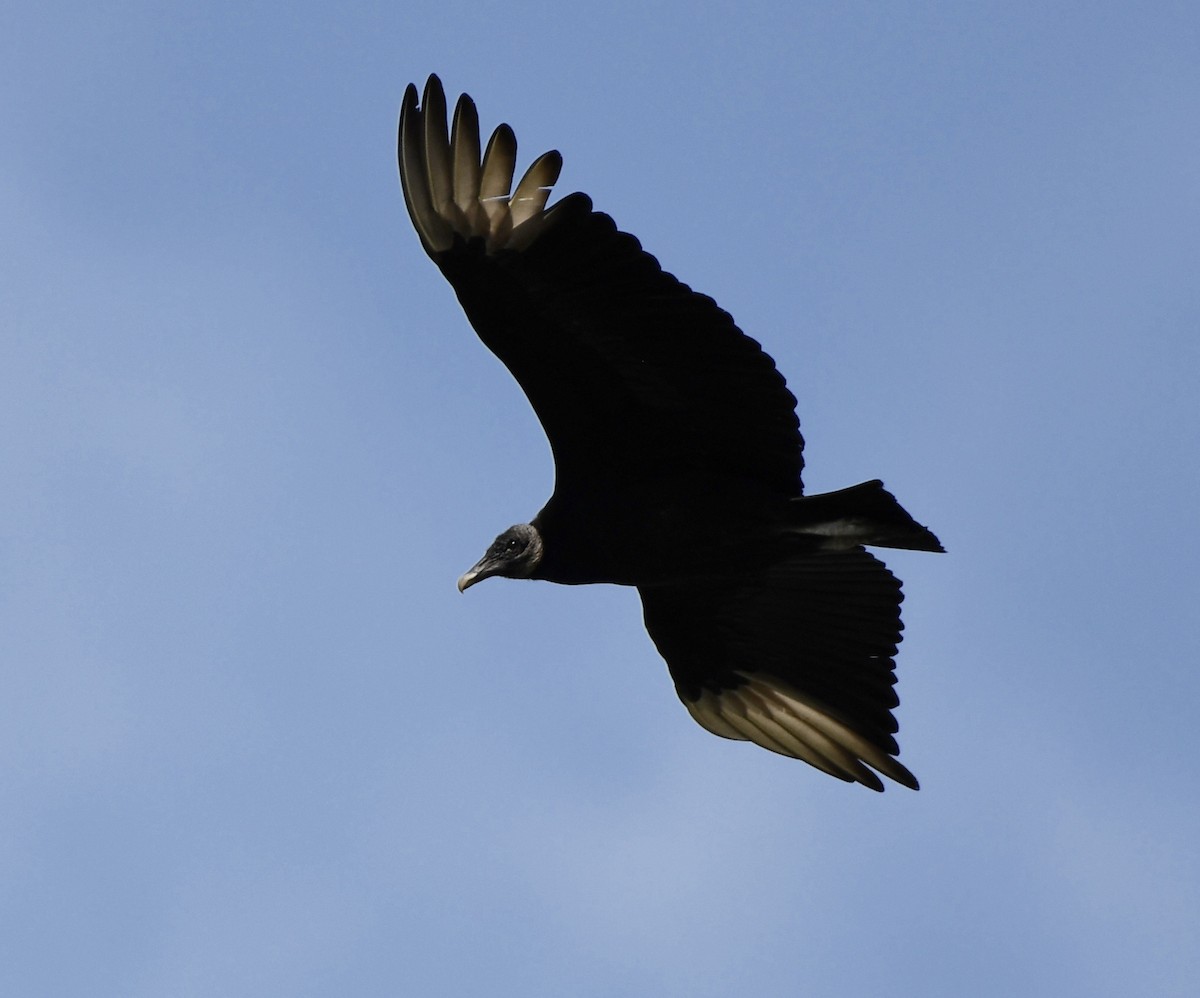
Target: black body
{"x":678,"y":459}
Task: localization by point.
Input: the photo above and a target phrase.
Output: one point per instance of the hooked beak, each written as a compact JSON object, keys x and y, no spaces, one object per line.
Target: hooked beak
{"x":483,"y":569}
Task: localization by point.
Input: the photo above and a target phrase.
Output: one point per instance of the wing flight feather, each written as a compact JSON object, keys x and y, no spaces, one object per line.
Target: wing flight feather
{"x":627,"y":368}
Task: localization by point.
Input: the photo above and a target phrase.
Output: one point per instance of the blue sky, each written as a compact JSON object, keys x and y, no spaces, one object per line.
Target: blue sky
{"x":254,"y":742}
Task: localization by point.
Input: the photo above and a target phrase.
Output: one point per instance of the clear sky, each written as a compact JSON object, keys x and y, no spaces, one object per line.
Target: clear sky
{"x":252,"y":740}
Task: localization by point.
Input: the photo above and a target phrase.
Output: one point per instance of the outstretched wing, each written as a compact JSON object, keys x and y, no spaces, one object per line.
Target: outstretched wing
{"x":798,"y":659}
{"x":635,"y":377}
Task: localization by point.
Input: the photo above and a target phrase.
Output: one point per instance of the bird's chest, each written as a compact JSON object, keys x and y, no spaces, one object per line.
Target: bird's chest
{"x":657,"y":540}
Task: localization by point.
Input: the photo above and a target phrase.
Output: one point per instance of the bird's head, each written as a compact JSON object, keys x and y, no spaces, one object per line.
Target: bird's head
{"x":515,"y":554}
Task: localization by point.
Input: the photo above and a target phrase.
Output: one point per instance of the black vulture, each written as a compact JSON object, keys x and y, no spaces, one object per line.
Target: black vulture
{"x":677,"y":457}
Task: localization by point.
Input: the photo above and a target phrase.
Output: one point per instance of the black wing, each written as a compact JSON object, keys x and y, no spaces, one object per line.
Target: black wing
{"x":634,"y":376}
{"x":797,"y":658}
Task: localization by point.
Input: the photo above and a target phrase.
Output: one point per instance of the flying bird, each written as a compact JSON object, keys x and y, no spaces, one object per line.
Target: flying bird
{"x":677,"y":456}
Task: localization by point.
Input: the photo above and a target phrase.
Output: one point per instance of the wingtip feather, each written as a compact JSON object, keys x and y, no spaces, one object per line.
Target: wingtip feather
{"x":451,"y":191}
{"x":433,"y":230}
{"x":465,"y":145}
{"x":778,"y":717}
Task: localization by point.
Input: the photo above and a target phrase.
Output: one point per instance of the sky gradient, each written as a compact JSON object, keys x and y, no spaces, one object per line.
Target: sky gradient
{"x":253,"y":741}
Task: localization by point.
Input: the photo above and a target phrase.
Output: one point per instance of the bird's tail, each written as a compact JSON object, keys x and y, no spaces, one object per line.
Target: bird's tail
{"x":862,"y":514}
